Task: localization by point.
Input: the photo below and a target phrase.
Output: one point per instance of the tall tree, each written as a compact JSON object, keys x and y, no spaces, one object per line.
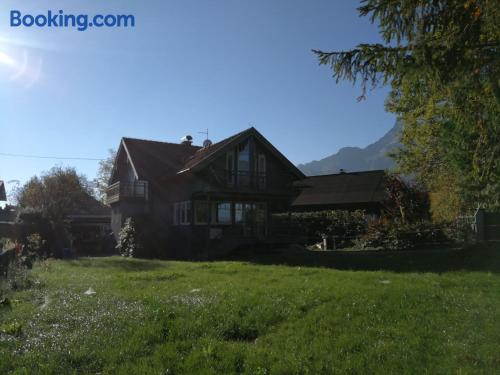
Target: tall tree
{"x":103,"y":175}
{"x":442,"y":60}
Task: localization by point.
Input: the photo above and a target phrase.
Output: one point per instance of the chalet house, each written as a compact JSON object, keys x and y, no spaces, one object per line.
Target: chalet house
{"x":342,"y":191}
{"x":202,"y":198}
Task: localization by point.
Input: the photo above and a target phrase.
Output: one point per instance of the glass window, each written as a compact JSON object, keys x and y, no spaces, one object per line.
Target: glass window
{"x":244,"y":164}
{"x":230,"y":167}
{"x":238,"y":213}
{"x":261,"y":212}
{"x":201,"y":212}
{"x":244,"y":156}
{"x":243,"y":212}
{"x":188,"y":212}
{"x":182,"y":213}
{"x":261,"y":171}
{"x":262,"y":164}
{"x":223,"y":213}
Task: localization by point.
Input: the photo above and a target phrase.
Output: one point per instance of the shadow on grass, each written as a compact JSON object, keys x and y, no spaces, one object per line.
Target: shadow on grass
{"x":477,"y":258}
{"x":119,"y":263}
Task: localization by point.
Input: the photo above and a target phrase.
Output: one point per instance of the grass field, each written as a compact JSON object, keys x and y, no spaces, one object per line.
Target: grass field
{"x":435,"y":312}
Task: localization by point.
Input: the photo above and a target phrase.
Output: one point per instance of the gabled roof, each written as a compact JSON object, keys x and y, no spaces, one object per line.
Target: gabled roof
{"x":155,"y":161}
{"x":3,"y":195}
{"x":342,"y":189}
{"x":205,"y":155}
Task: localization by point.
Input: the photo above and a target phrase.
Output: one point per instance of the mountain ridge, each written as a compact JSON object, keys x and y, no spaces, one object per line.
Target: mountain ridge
{"x":355,"y":159}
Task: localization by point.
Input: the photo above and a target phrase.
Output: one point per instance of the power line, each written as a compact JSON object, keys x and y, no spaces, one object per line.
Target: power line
{"x":46,"y":157}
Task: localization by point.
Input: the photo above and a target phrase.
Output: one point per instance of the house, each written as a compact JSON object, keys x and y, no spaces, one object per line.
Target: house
{"x":342,"y":191}
{"x":3,"y":195}
{"x":202,"y":200}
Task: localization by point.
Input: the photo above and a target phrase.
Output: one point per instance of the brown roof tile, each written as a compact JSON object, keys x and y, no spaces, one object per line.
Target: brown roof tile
{"x":342,"y":189}
{"x":154,"y":160}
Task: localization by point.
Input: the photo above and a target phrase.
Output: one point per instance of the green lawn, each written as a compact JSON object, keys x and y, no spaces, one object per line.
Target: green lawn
{"x":434,"y":313}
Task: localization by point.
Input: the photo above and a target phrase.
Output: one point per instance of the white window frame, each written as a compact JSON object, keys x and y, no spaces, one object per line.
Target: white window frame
{"x":182,"y":212}
{"x":216,"y":213}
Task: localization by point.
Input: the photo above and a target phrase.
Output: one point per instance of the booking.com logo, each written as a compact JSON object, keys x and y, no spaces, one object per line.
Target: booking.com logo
{"x":80,"y":21}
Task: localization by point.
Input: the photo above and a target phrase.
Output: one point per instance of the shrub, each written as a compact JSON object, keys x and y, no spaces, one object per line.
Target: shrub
{"x":34,"y":247}
{"x":128,"y":239}
{"x":344,"y":225}
{"x":399,"y":236}
{"x":142,"y":237}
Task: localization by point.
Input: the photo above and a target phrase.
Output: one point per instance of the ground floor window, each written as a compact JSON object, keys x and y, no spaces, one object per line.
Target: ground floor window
{"x":201,"y":212}
{"x":182,"y":213}
{"x":249,"y":212}
{"x":223,"y":213}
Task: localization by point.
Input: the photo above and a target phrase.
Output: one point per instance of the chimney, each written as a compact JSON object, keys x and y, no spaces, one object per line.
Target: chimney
{"x":187,"y":140}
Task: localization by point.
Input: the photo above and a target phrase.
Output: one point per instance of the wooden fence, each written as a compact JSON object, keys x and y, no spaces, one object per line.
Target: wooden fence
{"x":484,"y":225}
{"x":488,"y":225}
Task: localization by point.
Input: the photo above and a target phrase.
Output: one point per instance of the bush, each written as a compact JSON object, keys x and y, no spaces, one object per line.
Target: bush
{"x":344,"y":225}
{"x":34,"y":247}
{"x":128,"y":239}
{"x":398,"y":236}
{"x":142,"y":237}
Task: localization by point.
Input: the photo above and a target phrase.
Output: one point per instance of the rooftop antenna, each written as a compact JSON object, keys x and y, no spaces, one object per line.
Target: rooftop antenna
{"x":205,"y":132}
{"x":207,"y":142}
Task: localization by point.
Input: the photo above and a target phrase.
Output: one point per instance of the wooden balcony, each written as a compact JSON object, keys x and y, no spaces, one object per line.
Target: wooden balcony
{"x":127,"y":190}
{"x":245,"y":180}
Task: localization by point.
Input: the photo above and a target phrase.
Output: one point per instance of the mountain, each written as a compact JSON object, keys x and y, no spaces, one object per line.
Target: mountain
{"x":353,"y":159}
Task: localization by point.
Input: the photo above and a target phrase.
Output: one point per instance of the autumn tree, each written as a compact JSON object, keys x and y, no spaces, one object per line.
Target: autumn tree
{"x":442,"y":61}
{"x":55,"y":194}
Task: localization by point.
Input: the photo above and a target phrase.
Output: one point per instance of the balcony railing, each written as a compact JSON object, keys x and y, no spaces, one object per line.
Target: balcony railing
{"x":246,"y":179}
{"x":124,"y":190}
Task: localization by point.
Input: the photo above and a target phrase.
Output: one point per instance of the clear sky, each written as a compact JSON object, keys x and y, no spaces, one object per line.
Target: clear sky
{"x":187,"y":65}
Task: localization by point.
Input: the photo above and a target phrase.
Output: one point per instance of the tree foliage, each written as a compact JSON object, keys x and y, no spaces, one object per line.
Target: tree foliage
{"x":406,"y":202}
{"x":103,"y":175}
{"x":442,"y":60}
{"x":55,"y":194}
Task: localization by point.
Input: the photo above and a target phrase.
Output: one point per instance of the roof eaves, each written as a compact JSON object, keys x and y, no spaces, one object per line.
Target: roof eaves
{"x":130,"y":158}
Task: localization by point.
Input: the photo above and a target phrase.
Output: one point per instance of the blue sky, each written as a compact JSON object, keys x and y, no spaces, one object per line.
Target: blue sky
{"x":186,"y":66}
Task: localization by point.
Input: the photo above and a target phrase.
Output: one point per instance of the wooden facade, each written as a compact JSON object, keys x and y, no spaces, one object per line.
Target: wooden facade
{"x":204,"y":200}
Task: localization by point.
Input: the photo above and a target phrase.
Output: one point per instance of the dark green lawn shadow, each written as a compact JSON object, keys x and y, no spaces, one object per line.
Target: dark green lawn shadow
{"x":481,"y":258}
